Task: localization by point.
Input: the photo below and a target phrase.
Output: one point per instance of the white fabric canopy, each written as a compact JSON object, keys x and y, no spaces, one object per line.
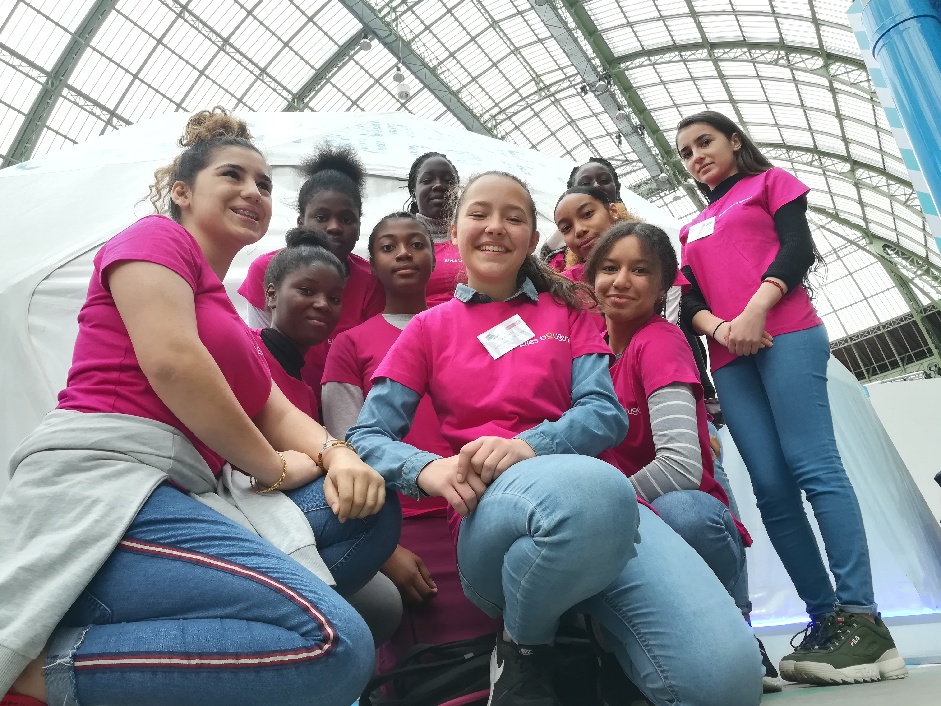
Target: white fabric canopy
{"x":59,"y":208}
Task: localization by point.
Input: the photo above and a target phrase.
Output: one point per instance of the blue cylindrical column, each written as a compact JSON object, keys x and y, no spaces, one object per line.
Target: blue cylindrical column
{"x":905,"y":36}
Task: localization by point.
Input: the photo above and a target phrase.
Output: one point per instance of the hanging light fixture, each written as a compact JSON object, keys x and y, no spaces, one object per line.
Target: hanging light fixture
{"x":398,"y":76}
{"x":365,"y":44}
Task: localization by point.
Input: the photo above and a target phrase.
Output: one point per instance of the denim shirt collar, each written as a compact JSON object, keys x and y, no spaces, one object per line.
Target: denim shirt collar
{"x":469,"y":295}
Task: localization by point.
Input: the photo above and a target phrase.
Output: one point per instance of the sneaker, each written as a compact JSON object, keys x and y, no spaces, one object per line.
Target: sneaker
{"x":808,"y":638}
{"x":11,"y":699}
{"x":850,"y":650}
{"x":521,"y":675}
{"x":770,"y":682}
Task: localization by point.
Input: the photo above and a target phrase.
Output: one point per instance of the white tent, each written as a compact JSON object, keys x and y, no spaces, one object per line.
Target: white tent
{"x":61,"y":207}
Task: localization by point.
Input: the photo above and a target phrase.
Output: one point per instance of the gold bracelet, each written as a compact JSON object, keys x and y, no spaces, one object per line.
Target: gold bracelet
{"x":329,"y":444}
{"x":284,"y":473}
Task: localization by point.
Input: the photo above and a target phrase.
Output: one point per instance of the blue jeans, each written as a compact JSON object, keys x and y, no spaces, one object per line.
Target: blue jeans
{"x":706,"y":525}
{"x":556,"y":535}
{"x":740,"y":593}
{"x":778,"y":411}
{"x":192,"y":608}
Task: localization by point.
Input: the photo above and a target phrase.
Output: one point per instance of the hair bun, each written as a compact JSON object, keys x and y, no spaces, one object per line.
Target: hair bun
{"x":211,"y":124}
{"x":338,"y":158}
{"x":304,"y":235}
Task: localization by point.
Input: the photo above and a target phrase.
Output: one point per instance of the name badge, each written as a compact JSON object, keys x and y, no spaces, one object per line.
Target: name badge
{"x":701,"y":229}
{"x":504,"y":337}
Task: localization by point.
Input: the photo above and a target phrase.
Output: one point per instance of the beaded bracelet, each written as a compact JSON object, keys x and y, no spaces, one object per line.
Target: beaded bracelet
{"x":284,"y":473}
{"x":329,"y":444}
{"x":776,"y":284}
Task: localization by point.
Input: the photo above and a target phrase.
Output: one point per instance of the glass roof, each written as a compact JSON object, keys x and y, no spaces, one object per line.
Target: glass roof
{"x":789,"y":71}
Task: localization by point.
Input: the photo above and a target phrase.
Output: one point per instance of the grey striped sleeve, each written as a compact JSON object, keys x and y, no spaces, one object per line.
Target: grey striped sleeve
{"x":677,"y":463}
{"x":342,"y":403}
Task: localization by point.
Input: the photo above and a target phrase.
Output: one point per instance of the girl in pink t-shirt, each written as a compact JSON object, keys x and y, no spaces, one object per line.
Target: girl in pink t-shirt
{"x":190,"y":607}
{"x":304,"y":293}
{"x":518,"y":375}
{"x":745,"y":258}
{"x":331,"y":199}
{"x":582,"y":215}
{"x":424,"y":565}
{"x":431,"y":184}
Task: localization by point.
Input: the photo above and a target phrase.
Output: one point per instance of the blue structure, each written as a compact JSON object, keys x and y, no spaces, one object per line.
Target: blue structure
{"x":904,"y":38}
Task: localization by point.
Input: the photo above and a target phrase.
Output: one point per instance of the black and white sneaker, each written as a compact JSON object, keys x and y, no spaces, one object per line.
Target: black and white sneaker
{"x":521,"y":675}
{"x":770,"y":682}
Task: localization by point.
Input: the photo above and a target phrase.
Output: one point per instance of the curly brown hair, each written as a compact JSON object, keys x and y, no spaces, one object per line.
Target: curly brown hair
{"x":205,"y":132}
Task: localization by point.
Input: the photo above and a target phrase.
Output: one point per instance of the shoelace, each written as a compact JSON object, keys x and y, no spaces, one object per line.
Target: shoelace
{"x":808,"y":635}
{"x":835,"y":629}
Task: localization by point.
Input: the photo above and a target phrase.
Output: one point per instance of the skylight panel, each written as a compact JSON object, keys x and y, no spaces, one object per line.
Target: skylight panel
{"x":839,"y":41}
{"x":682,"y":29}
{"x":185,"y":41}
{"x":33,"y":36}
{"x":168,"y":73}
{"x":150,"y":17}
{"x":142,"y":101}
{"x":226,"y":15}
{"x":759,"y":28}
{"x":652,"y":33}
{"x":622,"y":40}
{"x":799,"y":33}
{"x":721,"y":28}
{"x":123,"y":42}
{"x":100,"y":78}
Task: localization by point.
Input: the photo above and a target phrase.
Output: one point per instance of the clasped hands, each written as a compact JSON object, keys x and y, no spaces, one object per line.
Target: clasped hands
{"x":462,"y":479}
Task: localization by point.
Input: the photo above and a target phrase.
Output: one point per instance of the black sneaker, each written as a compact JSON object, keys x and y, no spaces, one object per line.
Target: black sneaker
{"x":851,"y":650}
{"x":521,"y":675}
{"x":770,"y":682}
{"x":808,"y":638}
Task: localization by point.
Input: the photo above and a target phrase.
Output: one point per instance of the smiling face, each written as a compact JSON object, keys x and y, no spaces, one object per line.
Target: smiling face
{"x":336,"y":214}
{"x":599,"y":176}
{"x":228,"y":205}
{"x":709,"y":156}
{"x":494,"y":232}
{"x":581,"y":219}
{"x":435,"y":178}
{"x":306,"y":307}
{"x":402,"y":256}
{"x":628,"y":282}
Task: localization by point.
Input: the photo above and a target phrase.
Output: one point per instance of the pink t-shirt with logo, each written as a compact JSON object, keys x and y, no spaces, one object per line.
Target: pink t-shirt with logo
{"x":363,"y":297}
{"x":298,"y":392}
{"x":353,"y":360}
{"x":473,"y":394}
{"x":730,"y":245}
{"x":105,"y":375}
{"x":659,"y":355}
{"x":444,"y":278}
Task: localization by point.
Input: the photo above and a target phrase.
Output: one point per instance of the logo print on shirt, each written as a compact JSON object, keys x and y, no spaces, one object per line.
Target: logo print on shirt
{"x":560,"y":337}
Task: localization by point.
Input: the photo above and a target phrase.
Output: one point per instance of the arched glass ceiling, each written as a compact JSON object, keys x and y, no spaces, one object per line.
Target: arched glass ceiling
{"x":788,"y":70}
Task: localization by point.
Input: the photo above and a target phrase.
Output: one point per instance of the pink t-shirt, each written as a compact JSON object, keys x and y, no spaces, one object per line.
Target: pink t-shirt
{"x":362,"y":298}
{"x":733,"y":248}
{"x":575,"y":272}
{"x":105,"y":375}
{"x":354,"y":357}
{"x":557,"y":261}
{"x":298,"y":392}
{"x":439,"y":354}
{"x":444,"y":278}
{"x":659,"y":355}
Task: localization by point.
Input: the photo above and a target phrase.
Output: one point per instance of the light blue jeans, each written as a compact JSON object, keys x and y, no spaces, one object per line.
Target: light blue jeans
{"x":778,"y":411}
{"x":556,"y":535}
{"x":706,"y":525}
{"x":193,"y":609}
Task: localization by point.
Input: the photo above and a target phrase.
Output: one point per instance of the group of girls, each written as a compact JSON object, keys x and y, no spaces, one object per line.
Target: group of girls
{"x":197,"y":553}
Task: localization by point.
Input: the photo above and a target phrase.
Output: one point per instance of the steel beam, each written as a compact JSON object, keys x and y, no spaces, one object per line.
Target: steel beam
{"x":23,"y":144}
{"x":415,"y":64}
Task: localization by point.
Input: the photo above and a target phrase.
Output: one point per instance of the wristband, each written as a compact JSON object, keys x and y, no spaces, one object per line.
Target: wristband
{"x":284,"y":472}
{"x":776,"y":284}
{"x":329,"y":444}
{"x":715,"y":330}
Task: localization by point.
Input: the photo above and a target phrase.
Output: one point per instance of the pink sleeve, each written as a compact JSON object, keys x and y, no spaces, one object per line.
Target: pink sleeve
{"x":343,"y":363}
{"x":782,"y":187}
{"x":585,"y":334}
{"x":662,"y":358}
{"x":407,"y":361}
{"x":253,"y":288}
{"x":154,"y":239}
